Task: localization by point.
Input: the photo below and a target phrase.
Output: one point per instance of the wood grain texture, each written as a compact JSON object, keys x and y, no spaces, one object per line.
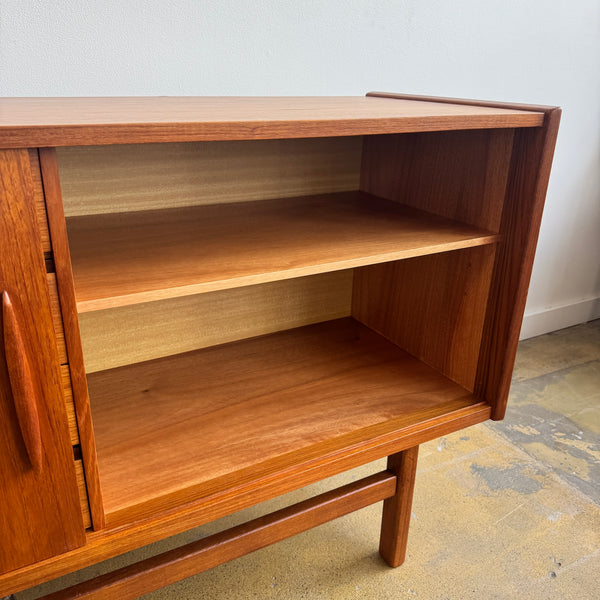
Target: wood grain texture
{"x":152,"y":255}
{"x":40,"y":514}
{"x":433,"y":307}
{"x":122,"y":336}
{"x":111,"y":542}
{"x":57,"y":320}
{"x":458,"y":174}
{"x":83,"y":498}
{"x":40,"y":204}
{"x":65,"y":376}
{"x":167,"y":568}
{"x":525,"y":193}
{"x":285,"y":397}
{"x":322,"y":458}
{"x":395,"y":521}
{"x":94,"y":121}
{"x":68,"y":311}
{"x":108,"y":179}
{"x":24,"y":394}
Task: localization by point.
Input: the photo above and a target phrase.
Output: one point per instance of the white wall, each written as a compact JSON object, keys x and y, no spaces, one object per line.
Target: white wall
{"x":539,"y":51}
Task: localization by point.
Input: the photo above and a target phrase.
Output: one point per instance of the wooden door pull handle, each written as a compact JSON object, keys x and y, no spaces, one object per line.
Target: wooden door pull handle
{"x":21,"y":383}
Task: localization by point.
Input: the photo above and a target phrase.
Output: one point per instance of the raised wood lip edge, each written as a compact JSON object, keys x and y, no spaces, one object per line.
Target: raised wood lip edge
{"x":144,"y":510}
{"x":535,"y":108}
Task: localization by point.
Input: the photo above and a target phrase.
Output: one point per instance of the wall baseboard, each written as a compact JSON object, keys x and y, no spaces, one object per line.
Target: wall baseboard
{"x":558,"y":318}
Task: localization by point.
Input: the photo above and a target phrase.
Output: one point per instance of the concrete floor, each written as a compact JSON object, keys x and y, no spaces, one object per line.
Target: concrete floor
{"x":501,"y":510}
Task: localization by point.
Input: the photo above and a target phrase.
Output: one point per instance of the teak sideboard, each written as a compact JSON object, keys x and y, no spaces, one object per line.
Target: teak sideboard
{"x":210,"y":302}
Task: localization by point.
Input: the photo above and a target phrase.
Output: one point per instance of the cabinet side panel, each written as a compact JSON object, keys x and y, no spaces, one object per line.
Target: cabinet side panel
{"x":40,"y":515}
{"x":525,"y":194}
{"x":433,"y":307}
{"x":108,"y":179}
{"x":122,"y":336}
{"x":457,"y":174}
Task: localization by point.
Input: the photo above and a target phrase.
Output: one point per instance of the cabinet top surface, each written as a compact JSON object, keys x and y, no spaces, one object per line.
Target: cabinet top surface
{"x":112,"y":120}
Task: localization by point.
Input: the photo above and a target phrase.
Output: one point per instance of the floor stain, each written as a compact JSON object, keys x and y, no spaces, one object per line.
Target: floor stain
{"x":512,"y":477}
{"x":570,"y":448}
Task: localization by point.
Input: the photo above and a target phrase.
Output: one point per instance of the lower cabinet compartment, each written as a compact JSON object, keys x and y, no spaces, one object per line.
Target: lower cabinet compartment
{"x":182,"y":427}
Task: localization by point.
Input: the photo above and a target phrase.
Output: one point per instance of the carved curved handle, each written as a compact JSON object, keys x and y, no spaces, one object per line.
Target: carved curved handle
{"x":21,"y":383}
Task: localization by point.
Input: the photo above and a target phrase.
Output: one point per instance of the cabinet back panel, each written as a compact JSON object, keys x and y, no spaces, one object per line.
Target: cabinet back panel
{"x":461,"y":175}
{"x":432,"y":306}
{"x":122,"y":336}
{"x":104,"y":179}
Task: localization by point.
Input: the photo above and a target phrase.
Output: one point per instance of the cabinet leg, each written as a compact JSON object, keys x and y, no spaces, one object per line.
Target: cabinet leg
{"x":396,"y":510}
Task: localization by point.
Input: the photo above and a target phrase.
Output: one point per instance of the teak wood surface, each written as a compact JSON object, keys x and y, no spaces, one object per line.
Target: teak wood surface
{"x":39,"y":502}
{"x":30,"y":122}
{"x":460,"y":175}
{"x":65,"y":300}
{"x":282,"y":397}
{"x":111,"y":542}
{"x":57,"y":319}
{"x":171,"y":566}
{"x":129,"y":258}
{"x":521,"y":219}
{"x":446,"y":293}
{"x":397,"y":512}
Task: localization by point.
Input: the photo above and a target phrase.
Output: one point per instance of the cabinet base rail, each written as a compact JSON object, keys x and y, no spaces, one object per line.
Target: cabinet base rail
{"x":177,"y":564}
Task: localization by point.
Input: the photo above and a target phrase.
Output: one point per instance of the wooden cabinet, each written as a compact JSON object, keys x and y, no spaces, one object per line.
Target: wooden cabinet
{"x":242,"y":296}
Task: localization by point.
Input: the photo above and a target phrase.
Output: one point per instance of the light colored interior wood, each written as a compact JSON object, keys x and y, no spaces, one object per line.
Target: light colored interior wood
{"x":105,"y":179}
{"x":70,"y":406}
{"x":57,"y":318}
{"x":182,"y":427}
{"x":129,"y":258}
{"x":121,"y":336}
{"x":461,"y":175}
{"x":85,"y":509}
{"x":433,"y":307}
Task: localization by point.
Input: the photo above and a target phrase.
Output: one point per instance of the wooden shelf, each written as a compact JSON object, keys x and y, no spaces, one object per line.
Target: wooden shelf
{"x":186,"y":426}
{"x":121,"y":259}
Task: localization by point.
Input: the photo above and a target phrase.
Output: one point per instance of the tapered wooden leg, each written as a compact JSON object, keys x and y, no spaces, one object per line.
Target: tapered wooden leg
{"x":396,"y":510}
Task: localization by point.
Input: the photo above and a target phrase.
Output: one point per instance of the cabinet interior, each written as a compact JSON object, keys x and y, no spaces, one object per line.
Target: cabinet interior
{"x":245,"y":306}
